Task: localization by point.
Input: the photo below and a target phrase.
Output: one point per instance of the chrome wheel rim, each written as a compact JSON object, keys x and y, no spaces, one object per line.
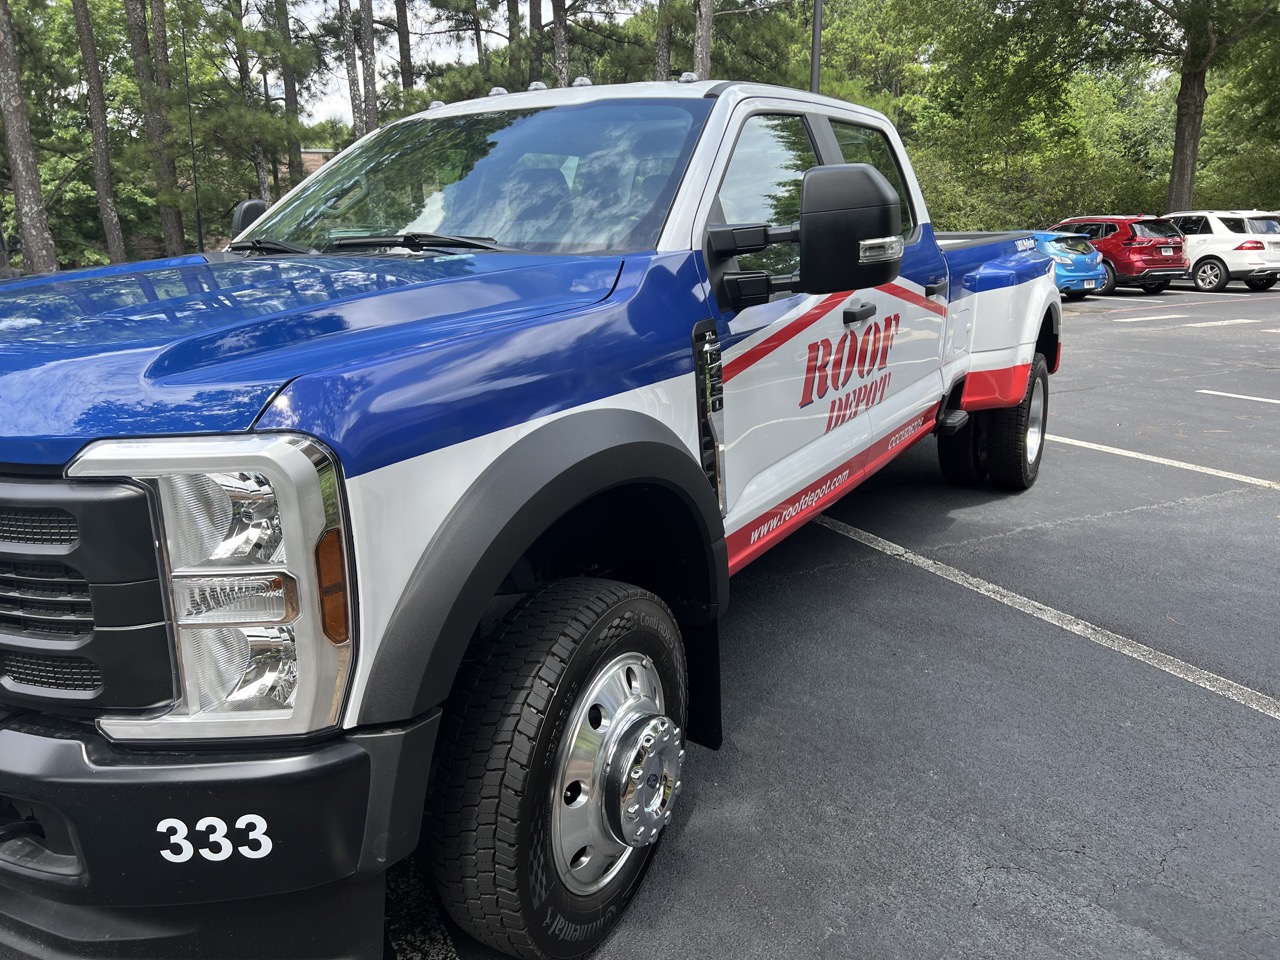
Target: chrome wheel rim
{"x":617,"y":774}
{"x":1035,"y":420}
{"x":1209,"y":275}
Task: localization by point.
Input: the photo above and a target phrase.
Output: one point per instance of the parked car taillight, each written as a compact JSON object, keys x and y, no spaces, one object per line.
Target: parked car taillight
{"x":1252,"y":245}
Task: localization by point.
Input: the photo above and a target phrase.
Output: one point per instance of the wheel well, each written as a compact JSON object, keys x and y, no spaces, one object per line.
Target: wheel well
{"x":638,"y":533}
{"x":1048,"y":341}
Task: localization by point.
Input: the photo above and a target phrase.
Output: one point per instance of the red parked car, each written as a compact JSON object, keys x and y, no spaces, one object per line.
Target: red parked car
{"x":1136,"y":251}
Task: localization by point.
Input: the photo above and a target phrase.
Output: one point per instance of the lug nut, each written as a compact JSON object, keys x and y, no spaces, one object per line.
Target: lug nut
{"x":637,"y":773}
{"x":647,"y":741}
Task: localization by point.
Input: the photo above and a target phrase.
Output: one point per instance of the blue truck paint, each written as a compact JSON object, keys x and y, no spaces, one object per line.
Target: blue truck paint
{"x":202,"y":347}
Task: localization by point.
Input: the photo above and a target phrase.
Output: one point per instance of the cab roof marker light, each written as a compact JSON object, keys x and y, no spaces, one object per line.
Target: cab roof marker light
{"x":688,"y":77}
{"x":497,"y":91}
{"x":581,"y":82}
{"x":537,"y":85}
{"x":435,"y":105}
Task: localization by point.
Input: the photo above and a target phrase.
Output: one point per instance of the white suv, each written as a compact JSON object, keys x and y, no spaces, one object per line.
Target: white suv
{"x":1226,"y":245}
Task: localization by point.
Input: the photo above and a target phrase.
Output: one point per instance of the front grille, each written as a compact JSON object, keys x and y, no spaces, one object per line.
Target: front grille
{"x":51,"y":673}
{"x":34,"y":525}
{"x":44,"y":599}
{"x":83,"y":627}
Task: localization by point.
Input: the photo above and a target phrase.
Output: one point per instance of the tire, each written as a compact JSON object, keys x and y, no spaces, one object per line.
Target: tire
{"x":1159,"y":287}
{"x":577,"y":677}
{"x":1074,"y":294}
{"x":960,"y":454}
{"x":1210,"y":275}
{"x":1108,"y":281}
{"x":1260,"y":285}
{"x":1015,"y":435}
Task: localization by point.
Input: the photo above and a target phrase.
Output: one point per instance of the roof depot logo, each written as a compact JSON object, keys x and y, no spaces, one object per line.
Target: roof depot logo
{"x":831,"y":369}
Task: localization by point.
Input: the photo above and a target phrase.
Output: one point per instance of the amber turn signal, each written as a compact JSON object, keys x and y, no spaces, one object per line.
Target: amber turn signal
{"x":332,"y":567}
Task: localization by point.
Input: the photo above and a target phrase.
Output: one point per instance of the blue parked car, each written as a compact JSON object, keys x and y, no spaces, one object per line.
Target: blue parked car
{"x":1077,"y":266}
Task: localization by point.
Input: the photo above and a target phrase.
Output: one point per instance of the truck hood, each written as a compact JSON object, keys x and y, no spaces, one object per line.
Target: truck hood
{"x":201,"y":344}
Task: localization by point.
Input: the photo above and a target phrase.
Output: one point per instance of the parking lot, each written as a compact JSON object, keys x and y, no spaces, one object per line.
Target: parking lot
{"x":965,"y":724}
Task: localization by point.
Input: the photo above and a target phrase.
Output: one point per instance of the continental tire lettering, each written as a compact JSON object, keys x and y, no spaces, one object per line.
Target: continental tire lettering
{"x":557,"y":926}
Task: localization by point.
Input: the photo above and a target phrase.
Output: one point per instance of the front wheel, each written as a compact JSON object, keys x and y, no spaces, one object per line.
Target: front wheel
{"x":1263,"y":284}
{"x":558,"y":767}
{"x":1015,"y":435}
{"x":1210,"y":275}
{"x":1158,"y":287}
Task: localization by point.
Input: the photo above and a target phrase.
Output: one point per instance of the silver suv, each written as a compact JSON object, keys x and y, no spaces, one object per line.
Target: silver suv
{"x":1226,"y":245}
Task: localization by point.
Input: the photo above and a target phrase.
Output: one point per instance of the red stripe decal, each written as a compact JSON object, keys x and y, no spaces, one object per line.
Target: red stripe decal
{"x":772,"y":342}
{"x":749,"y":541}
{"x":915,"y":299}
{"x":992,"y":389}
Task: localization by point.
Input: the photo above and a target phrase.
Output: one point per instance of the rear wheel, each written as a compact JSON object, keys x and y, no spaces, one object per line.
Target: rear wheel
{"x":1109,"y":280}
{"x":1210,"y":275}
{"x":558,"y":767}
{"x":1015,"y":435}
{"x":1263,"y":284}
{"x":1159,"y":287}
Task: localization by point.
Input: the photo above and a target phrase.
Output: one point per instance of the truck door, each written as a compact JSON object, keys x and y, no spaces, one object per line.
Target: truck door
{"x":911,"y":312}
{"x":776,"y":432}
{"x":801,"y":374}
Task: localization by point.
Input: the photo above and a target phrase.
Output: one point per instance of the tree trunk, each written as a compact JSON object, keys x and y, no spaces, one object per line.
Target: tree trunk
{"x":38,"y":252}
{"x":1186,"y":140}
{"x":662,"y":44}
{"x":406,"y":53}
{"x":702,"y":40}
{"x":175,"y":241}
{"x":289,"y":77}
{"x":155,"y":123}
{"x":513,"y":35}
{"x":103,"y":181}
{"x":349,"y":48}
{"x":560,"y":39}
{"x":370,"y":65}
{"x":477,"y":26}
{"x":248,"y":92}
{"x":535,"y":40}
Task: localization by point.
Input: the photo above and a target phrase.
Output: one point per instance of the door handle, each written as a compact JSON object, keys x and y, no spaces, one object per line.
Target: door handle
{"x":858,"y":312}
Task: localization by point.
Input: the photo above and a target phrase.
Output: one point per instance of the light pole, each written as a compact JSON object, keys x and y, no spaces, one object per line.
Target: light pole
{"x":815,"y":54}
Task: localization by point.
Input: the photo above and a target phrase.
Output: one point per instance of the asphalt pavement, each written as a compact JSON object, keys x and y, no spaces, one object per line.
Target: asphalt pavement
{"x":966,"y":724}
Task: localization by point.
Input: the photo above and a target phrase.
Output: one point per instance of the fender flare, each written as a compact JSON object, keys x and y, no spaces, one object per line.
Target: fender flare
{"x":524,"y":491}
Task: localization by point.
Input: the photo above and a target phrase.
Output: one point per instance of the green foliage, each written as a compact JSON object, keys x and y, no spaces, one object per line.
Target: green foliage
{"x":1014,"y":114}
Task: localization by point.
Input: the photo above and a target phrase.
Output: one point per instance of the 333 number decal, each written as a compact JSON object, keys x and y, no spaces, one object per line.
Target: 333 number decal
{"x":214,"y":843}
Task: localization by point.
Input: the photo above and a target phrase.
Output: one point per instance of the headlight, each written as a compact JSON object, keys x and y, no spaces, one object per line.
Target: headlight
{"x":259,"y":586}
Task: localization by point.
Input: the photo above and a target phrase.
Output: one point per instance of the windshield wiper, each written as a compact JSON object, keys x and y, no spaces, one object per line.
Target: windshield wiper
{"x":267,"y":245}
{"x":419,"y":241}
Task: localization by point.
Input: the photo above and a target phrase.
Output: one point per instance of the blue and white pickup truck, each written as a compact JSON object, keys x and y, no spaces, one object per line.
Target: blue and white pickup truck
{"x":425,"y":495}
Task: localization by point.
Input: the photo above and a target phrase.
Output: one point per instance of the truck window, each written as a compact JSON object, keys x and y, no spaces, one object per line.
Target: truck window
{"x":762,"y":184}
{"x":584,"y":178}
{"x":865,"y":145}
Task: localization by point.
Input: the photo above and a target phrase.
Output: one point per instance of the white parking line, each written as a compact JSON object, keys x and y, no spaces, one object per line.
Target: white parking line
{"x":1237,"y":396}
{"x":1165,"y":316}
{"x":1219,"y":323}
{"x":1223,"y":687}
{"x":1238,"y":477}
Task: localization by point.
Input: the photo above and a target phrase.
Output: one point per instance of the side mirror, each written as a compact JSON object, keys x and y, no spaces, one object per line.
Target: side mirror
{"x":850,"y":229}
{"x":245,"y":213}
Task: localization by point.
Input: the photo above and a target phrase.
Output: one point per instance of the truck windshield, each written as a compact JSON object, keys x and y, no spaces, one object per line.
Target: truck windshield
{"x":595,"y":177}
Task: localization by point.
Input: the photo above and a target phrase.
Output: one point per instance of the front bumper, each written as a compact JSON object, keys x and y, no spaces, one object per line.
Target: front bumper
{"x":165,"y":855}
